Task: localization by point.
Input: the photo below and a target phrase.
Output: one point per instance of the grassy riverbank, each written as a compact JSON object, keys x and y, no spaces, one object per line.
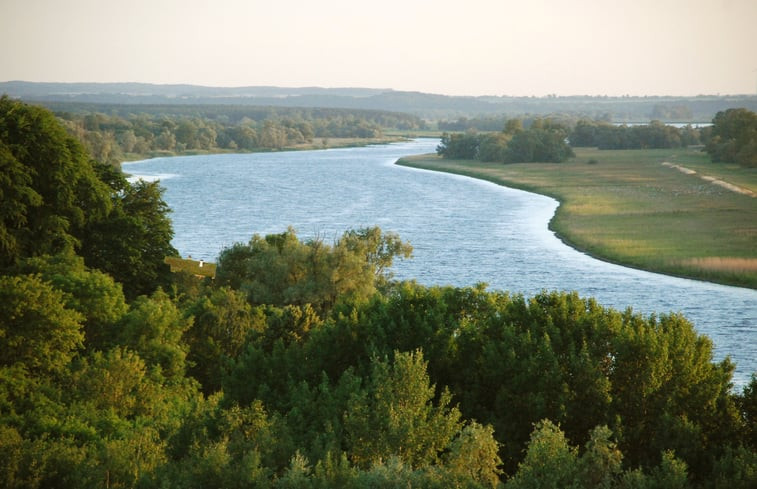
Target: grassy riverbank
{"x":629,"y":208}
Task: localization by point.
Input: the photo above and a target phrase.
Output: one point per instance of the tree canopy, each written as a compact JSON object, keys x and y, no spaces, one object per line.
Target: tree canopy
{"x":734,"y":137}
{"x":304,"y":364}
{"x":544,"y":141}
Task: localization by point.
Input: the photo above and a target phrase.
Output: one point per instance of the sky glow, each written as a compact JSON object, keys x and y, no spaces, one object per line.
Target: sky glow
{"x":473,"y":47}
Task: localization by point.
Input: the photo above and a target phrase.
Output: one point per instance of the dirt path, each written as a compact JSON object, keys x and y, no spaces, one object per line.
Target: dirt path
{"x":712,"y":180}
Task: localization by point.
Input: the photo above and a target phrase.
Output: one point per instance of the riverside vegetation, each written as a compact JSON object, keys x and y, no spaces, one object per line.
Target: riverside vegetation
{"x":303,"y":364}
{"x":667,"y":209}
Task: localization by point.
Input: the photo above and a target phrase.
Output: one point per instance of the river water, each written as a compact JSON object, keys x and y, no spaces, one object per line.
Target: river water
{"x":463,"y":231}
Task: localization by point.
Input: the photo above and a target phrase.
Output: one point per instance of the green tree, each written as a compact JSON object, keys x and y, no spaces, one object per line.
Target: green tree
{"x":734,"y":137}
{"x":50,"y":190}
{"x":550,"y":462}
{"x":154,"y":327}
{"x":18,"y":197}
{"x":37,"y":331}
{"x":397,"y":415}
{"x":600,"y":465}
{"x":90,"y":292}
{"x":132,"y":241}
{"x":281,"y":270}
{"x":538,"y":145}
{"x":474,"y":454}
{"x":222,"y":322}
{"x":459,"y":146}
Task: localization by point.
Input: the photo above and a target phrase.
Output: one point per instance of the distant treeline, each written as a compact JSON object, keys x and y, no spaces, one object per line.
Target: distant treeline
{"x":111,"y":132}
{"x":550,"y":140}
{"x":426,"y":105}
{"x":732,"y":138}
{"x":644,"y":136}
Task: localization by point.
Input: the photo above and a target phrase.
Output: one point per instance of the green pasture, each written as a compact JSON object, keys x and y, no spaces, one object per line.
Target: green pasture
{"x":625,"y":206}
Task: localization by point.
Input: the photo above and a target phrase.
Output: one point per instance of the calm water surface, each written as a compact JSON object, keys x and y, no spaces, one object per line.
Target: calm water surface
{"x":463,"y":231}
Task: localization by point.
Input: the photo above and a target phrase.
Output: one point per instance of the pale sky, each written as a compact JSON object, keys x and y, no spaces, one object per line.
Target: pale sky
{"x":460,"y":47}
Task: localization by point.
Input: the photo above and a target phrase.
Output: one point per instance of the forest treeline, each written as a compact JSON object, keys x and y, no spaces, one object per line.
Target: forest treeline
{"x":112,"y":133}
{"x":732,"y":138}
{"x":304,"y":364}
{"x":426,"y":105}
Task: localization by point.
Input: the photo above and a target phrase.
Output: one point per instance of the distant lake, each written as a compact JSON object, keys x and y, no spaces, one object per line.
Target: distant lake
{"x":463,"y":230}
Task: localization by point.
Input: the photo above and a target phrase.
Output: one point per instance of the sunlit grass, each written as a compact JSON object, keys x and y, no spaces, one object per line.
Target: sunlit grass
{"x":195,"y":267}
{"x":627,"y":207}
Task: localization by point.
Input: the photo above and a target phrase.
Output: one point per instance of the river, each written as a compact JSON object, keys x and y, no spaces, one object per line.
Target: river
{"x":463,"y":231}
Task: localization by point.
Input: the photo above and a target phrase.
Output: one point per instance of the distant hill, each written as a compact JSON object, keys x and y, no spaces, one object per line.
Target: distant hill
{"x":430,"y":106}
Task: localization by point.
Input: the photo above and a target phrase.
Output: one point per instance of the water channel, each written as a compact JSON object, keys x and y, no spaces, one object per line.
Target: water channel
{"x":463,"y":231}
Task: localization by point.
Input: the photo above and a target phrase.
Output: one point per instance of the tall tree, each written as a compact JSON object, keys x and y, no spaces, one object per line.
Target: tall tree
{"x":397,"y":415}
{"x":132,"y":241}
{"x":49,"y":187}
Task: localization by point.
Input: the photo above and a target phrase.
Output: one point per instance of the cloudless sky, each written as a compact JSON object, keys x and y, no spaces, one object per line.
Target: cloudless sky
{"x":460,"y":47}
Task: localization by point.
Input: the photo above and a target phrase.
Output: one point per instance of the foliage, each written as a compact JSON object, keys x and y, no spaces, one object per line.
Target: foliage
{"x":304,"y":365}
{"x":395,"y":415}
{"x":50,"y":189}
{"x":37,"y":331}
{"x":279,"y":269}
{"x":538,"y":144}
{"x":604,"y":135}
{"x":92,"y":293}
{"x":543,"y":141}
{"x":734,"y":137}
{"x":133,"y":240}
{"x":113,"y":132}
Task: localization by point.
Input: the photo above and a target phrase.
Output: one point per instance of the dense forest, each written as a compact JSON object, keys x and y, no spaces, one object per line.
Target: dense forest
{"x":304,"y":364}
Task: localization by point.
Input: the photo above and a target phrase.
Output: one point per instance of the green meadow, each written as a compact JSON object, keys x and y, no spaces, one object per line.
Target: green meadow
{"x":657,"y":210}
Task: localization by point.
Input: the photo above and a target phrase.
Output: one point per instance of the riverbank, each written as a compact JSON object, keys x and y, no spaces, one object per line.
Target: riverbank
{"x":317,"y":143}
{"x":629,"y":208}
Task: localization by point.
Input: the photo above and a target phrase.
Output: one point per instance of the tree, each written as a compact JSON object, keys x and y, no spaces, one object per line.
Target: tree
{"x":538,"y":145}
{"x":222,"y":321}
{"x":734,"y":137}
{"x":474,"y":454}
{"x":281,"y":270}
{"x":459,"y":146}
{"x":153,"y":327}
{"x":50,"y":189}
{"x":90,"y":292}
{"x":132,"y":241}
{"x":550,"y":462}
{"x":37,"y":331}
{"x":397,"y":415}
{"x":493,"y":147}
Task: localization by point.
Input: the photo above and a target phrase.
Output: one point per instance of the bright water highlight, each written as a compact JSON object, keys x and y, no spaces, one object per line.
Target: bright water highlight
{"x":463,"y":231}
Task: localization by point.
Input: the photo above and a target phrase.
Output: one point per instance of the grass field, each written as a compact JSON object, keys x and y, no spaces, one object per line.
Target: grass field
{"x":195,"y":267}
{"x":629,"y":208}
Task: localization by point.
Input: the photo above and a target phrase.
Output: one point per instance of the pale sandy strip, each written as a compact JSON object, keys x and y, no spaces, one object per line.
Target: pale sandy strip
{"x":712,"y":180}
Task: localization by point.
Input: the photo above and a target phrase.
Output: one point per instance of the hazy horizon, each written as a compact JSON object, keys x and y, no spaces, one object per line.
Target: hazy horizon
{"x":538,"y":48}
